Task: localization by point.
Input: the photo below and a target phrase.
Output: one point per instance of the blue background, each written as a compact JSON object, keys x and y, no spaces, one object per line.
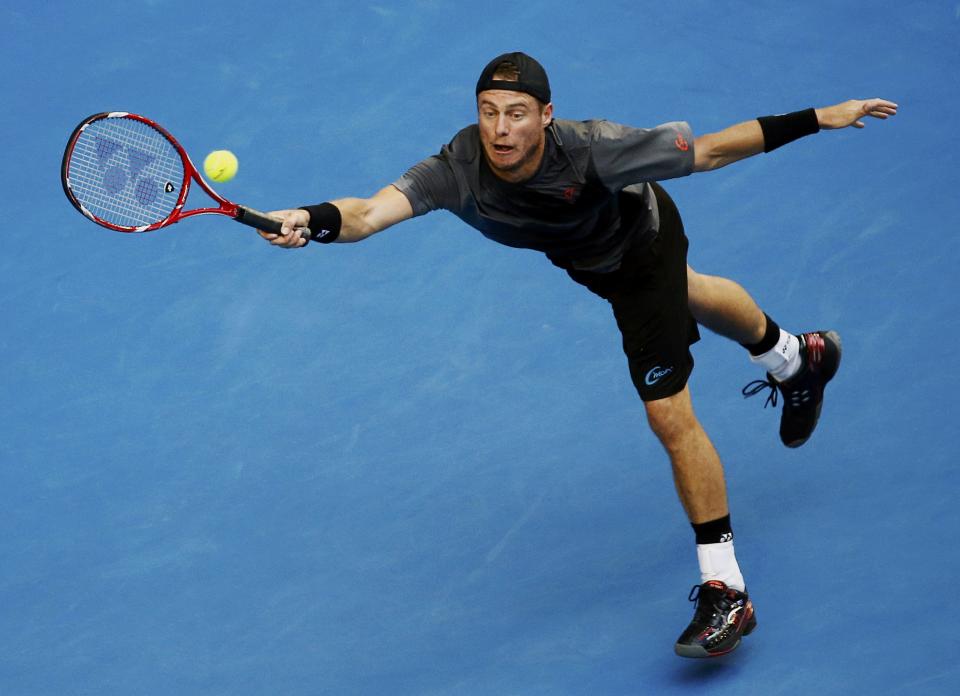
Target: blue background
{"x":417,"y":465}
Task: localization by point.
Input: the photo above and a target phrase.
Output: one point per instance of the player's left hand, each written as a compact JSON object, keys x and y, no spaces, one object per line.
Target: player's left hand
{"x":850,"y":113}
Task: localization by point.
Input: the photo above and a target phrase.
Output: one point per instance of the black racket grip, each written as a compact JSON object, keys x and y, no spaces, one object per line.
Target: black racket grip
{"x":254,"y":218}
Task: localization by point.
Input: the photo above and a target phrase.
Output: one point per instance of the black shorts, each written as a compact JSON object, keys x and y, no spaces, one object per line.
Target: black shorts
{"x":648,"y":294}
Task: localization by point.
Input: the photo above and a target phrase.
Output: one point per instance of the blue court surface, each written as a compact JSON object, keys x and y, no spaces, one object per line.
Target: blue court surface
{"x":417,"y":465}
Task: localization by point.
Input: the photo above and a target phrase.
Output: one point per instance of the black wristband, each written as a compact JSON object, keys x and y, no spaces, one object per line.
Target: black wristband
{"x":785,"y":128}
{"x":325,"y":221}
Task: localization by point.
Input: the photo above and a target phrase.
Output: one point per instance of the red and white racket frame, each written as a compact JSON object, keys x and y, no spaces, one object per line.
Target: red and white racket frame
{"x":242,"y":214}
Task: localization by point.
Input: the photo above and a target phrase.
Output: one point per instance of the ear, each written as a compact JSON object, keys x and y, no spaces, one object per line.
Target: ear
{"x":547,"y":115}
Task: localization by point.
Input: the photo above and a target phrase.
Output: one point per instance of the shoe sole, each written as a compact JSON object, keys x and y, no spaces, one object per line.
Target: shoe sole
{"x":698,"y":651}
{"x":835,"y":337}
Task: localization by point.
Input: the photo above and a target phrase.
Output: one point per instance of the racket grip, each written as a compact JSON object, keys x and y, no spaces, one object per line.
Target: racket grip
{"x":254,"y":218}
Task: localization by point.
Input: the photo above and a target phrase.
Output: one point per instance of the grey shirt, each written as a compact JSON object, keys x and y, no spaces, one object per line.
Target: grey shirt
{"x":585,"y":204}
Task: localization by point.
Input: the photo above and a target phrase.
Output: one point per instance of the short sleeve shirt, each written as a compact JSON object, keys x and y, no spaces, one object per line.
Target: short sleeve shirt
{"x":588,"y":200}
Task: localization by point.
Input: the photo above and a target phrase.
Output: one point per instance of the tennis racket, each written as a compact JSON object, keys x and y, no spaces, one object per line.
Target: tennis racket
{"x":127,"y":173}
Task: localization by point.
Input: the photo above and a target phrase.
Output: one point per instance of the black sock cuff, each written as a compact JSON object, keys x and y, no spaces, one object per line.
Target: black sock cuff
{"x":714,"y":531}
{"x":770,"y":337}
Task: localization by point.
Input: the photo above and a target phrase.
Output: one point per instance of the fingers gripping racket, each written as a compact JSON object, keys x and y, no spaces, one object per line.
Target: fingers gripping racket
{"x":127,"y":173}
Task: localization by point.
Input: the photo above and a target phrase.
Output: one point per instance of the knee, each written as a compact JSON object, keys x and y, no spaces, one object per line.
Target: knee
{"x":672,"y":418}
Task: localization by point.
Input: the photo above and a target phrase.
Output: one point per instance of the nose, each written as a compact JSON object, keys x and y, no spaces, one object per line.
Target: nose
{"x":503,"y":125}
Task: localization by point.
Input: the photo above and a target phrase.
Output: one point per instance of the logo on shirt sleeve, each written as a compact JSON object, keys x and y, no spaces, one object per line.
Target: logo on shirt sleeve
{"x":681,"y":143}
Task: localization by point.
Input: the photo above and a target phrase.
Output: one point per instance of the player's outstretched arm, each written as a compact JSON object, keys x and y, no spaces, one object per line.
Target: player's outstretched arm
{"x":715,"y":150}
{"x":358,"y":218}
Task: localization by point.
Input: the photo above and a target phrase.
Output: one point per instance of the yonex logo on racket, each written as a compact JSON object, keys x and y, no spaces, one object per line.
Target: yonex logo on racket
{"x":116,"y":177}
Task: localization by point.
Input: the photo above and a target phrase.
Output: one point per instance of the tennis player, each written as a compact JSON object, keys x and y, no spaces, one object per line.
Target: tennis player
{"x":586,"y":194}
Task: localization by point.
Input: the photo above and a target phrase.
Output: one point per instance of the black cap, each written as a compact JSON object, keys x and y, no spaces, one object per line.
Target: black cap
{"x":533,"y":78}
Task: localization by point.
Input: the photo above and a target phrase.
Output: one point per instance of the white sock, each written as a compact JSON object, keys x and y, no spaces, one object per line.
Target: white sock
{"x":719,"y":562}
{"x":783,"y":360}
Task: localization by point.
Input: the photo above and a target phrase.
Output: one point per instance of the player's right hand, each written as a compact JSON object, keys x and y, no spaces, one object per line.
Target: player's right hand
{"x":295,"y":232}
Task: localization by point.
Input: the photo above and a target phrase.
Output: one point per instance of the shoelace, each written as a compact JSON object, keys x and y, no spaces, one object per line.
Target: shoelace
{"x":757,"y":386}
{"x":708,"y":611}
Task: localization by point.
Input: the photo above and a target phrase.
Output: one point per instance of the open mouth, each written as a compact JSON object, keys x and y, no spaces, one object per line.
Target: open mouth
{"x":502,"y":149}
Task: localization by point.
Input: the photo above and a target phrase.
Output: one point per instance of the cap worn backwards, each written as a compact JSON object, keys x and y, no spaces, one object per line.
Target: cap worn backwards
{"x":533,"y":78}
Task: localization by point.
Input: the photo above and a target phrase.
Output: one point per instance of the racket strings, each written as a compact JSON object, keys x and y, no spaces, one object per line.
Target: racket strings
{"x":125,"y":172}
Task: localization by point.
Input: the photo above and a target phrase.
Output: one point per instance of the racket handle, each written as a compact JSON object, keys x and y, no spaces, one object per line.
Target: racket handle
{"x":254,"y":218}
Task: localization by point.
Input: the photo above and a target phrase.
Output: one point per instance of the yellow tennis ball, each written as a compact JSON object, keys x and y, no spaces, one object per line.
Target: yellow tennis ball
{"x":221,"y":165}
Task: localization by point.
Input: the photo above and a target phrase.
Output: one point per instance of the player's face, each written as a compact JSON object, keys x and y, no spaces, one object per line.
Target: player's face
{"x":511,"y":131}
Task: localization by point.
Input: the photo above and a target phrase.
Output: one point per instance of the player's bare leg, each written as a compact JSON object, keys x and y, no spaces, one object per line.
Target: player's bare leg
{"x":725,"y":308}
{"x":798,"y":366}
{"x":724,"y":612}
{"x":697,"y":471}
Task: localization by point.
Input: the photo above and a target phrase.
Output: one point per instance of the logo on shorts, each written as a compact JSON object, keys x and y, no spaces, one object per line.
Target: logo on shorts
{"x":656,"y":374}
